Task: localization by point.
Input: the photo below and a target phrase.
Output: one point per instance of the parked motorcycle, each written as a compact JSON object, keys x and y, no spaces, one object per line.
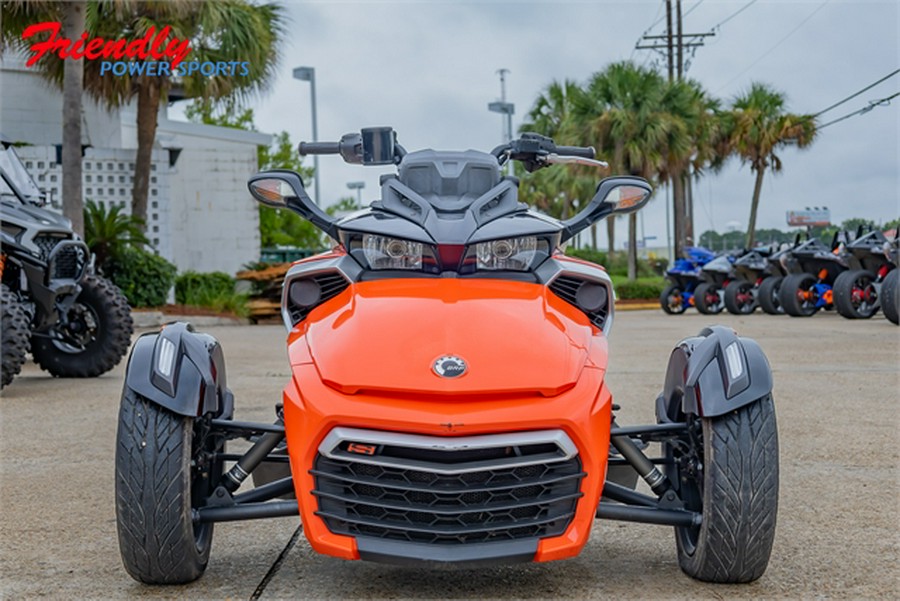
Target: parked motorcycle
{"x":447,"y":402}
{"x":803,"y":294}
{"x":857,"y":292}
{"x":75,"y":323}
{"x":683,"y":278}
{"x":709,"y":296}
{"x":750,"y":269}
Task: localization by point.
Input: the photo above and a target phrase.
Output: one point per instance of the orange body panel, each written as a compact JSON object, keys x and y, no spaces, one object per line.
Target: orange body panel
{"x":364,"y":359}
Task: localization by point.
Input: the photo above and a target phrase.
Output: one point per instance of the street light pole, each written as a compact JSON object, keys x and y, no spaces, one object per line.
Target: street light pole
{"x":309,"y":74}
{"x":504,"y":108}
{"x":358,"y":186}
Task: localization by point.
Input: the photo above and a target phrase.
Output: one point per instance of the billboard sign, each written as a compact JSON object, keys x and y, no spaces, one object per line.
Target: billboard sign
{"x":809,"y":217}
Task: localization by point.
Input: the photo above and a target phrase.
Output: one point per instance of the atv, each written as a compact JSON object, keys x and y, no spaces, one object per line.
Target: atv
{"x":683,"y":279}
{"x":857,"y":292}
{"x":781,"y":263}
{"x":447,"y":402}
{"x":709,"y":295}
{"x":75,"y":323}
{"x":802,"y":294}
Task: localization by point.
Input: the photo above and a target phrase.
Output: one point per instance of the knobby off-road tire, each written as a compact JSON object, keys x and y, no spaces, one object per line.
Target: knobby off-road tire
{"x":789,"y":296}
{"x":669,"y":300}
{"x":103,"y":304}
{"x":855,"y":306}
{"x":768,"y":295}
{"x":739,"y":492}
{"x":890,"y":296}
{"x":14,"y":334}
{"x":733,"y":301}
{"x":700,"y":300}
{"x":155,"y":486}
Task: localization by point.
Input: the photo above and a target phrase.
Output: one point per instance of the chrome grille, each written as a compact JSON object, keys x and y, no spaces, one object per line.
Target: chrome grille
{"x":453,"y":494}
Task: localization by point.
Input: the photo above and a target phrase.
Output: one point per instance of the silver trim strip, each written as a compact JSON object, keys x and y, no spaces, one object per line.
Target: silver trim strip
{"x":333,"y":440}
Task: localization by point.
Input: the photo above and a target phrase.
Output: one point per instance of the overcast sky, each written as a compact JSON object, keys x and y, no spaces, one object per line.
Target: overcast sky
{"x":429,"y":69}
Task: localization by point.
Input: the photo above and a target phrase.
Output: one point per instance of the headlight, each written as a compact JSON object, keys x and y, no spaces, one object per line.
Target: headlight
{"x":391,"y":253}
{"x":508,"y":254}
{"x":382,"y":252}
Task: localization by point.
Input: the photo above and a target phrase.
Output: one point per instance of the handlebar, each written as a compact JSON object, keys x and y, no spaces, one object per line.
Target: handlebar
{"x":586,"y":152}
{"x":319,"y":148}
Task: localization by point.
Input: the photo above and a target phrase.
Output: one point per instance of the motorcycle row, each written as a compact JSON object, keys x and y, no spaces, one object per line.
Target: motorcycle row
{"x":856,"y":275}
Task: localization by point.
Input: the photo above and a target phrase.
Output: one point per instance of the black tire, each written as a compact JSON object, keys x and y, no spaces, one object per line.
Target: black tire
{"x":737,"y":493}
{"x":768,"y":295}
{"x":101,"y":320}
{"x":739,"y":298}
{"x":672,"y":300}
{"x":156,"y":490}
{"x":890,"y":296}
{"x":14,"y":333}
{"x":797,"y":295}
{"x":704,"y":299}
{"x":855,"y":296}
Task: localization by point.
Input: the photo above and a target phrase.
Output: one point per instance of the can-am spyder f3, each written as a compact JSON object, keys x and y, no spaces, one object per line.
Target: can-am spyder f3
{"x":447,"y":403}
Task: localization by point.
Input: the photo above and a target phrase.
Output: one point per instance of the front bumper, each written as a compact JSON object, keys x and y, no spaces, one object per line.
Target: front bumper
{"x":477,"y":481}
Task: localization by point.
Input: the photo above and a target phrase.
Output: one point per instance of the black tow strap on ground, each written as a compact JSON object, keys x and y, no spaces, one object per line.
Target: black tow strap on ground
{"x":261,"y":587}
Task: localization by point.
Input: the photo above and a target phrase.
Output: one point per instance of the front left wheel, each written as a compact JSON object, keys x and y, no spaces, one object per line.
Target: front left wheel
{"x":728,"y":472}
{"x":739,"y":298}
{"x":708,"y":299}
{"x":163,"y":472}
{"x":93,"y":337}
{"x":14,"y":331}
{"x":855,"y":294}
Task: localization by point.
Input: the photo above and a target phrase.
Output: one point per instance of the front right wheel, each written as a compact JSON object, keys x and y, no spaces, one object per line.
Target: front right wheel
{"x":728,"y":472}
{"x":165,"y":468}
{"x":798,"y":295}
{"x":708,"y":298}
{"x":890,"y":296}
{"x":672,"y":300}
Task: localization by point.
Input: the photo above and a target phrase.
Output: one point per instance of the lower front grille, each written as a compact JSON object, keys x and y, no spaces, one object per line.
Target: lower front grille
{"x":471,"y":490}
{"x":68,"y":262}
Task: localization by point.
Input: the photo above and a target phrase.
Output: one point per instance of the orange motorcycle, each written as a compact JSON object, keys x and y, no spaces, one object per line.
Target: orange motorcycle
{"x":447,"y":403}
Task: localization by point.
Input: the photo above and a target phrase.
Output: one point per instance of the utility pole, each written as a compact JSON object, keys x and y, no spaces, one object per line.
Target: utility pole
{"x":673,"y":43}
{"x":504,"y":108}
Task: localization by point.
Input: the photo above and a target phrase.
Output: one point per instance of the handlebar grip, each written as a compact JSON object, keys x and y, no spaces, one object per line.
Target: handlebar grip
{"x":576,"y":151}
{"x":319,"y":148}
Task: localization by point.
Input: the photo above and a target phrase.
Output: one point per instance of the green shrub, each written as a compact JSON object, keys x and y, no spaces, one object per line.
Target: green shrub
{"x":619,"y":264}
{"x":214,"y":290}
{"x":641,"y":288}
{"x":144,"y":277}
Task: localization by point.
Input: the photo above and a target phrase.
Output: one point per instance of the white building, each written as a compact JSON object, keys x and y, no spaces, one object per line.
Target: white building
{"x":200,"y":215}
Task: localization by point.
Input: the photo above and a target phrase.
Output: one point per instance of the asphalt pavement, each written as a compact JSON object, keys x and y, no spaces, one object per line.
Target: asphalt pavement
{"x":838,"y":534}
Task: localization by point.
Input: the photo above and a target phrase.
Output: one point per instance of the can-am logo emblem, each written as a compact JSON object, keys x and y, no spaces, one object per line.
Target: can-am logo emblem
{"x":449,"y":366}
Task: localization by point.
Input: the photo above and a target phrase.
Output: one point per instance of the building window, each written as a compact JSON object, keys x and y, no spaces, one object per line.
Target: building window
{"x":28,"y":164}
{"x":153,"y":180}
{"x":155,"y":216}
{"x":155,"y":228}
{"x":153,"y":192}
{"x":99,"y":178}
{"x":87,"y":178}
{"x":131,"y":179}
{"x":111,"y":191}
{"x":121,"y":166}
{"x":156,"y":242}
{"x":89,"y":191}
{"x":131,"y":166}
{"x":52,"y":178}
{"x":87,"y":165}
{"x":152,"y":167}
{"x":109,"y":166}
{"x":40,"y":164}
{"x":121,"y":191}
{"x":154,"y":204}
{"x":41,"y":177}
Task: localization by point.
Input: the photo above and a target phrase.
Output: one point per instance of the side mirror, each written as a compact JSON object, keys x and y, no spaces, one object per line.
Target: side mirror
{"x":621,"y":194}
{"x":281,"y":188}
{"x":377,"y":145}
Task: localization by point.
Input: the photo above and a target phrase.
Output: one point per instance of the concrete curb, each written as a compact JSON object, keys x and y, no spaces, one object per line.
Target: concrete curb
{"x":154,"y":319}
{"x":637,"y":306}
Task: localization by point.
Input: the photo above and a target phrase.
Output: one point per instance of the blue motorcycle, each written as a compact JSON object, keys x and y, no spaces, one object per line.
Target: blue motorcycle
{"x":684,"y":277}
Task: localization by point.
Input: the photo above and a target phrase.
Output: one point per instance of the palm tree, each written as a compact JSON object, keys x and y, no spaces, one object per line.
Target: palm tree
{"x":758,"y":126}
{"x":624,"y":110}
{"x":108,"y":231}
{"x":223,"y":31}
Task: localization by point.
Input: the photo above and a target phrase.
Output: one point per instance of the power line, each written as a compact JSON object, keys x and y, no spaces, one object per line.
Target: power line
{"x":777,"y":44}
{"x":646,"y":31}
{"x":852,"y":96}
{"x":691,"y":9}
{"x":872,"y":104}
{"x":733,"y":15}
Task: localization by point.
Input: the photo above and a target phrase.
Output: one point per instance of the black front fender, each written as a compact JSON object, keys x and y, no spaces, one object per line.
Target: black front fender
{"x":712,"y":374}
{"x":181,"y":370}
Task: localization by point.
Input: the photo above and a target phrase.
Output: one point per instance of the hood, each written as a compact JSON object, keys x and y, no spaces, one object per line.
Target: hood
{"x":395,"y":336}
{"x":28,"y":216}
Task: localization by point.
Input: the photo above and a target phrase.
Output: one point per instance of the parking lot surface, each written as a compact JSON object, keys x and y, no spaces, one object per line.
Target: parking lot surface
{"x":838,"y":536}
